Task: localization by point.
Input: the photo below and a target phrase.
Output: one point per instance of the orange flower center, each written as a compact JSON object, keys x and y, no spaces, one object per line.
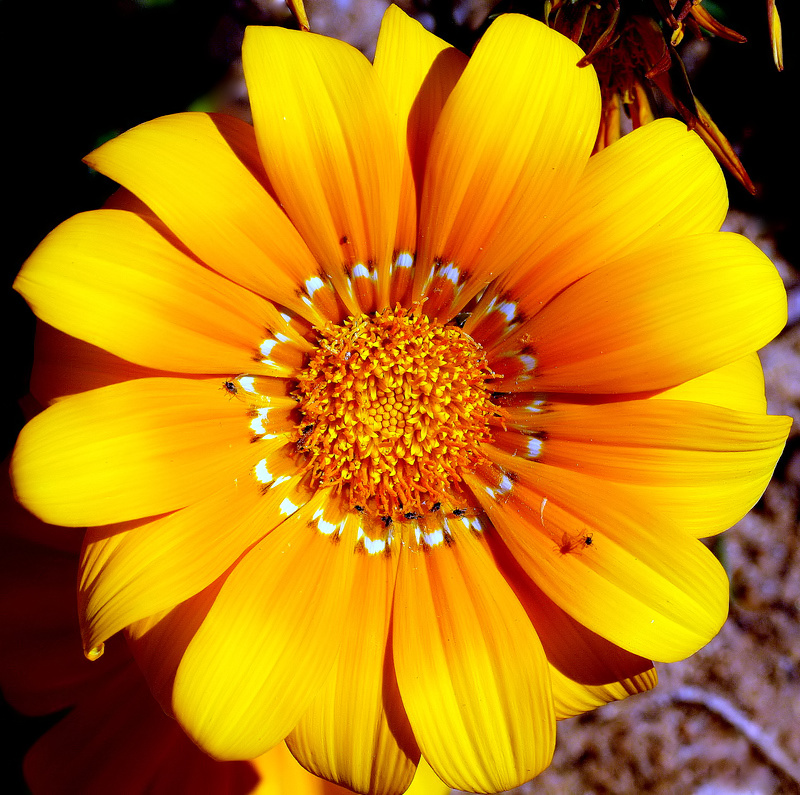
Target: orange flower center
{"x":394,"y":407}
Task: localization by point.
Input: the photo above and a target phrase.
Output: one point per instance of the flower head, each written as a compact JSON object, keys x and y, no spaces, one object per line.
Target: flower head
{"x":396,"y":417}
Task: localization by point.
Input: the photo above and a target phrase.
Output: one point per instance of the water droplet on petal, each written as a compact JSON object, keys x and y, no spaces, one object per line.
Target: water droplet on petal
{"x":96,"y":652}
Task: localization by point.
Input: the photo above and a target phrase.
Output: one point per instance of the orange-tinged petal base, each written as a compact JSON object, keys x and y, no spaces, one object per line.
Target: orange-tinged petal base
{"x":471,"y":670}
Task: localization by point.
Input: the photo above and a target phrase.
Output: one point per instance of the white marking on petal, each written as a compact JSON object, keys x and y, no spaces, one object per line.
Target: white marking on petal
{"x":287,"y":318}
{"x":529,"y":361}
{"x":536,"y":407}
{"x":282,"y":337}
{"x":267,"y":346}
{"x":541,"y":510}
{"x":506,"y":484}
{"x":450,"y":271}
{"x":326,"y":527}
{"x":374,"y":545}
{"x":404,"y":260}
{"x":434,"y":538}
{"x":534,"y":447}
{"x":263,"y":475}
{"x":508,"y":309}
{"x":258,"y":423}
{"x":281,"y":479}
{"x":313,"y":284}
{"x":288,"y":507}
{"x":430,"y":539}
{"x":360,"y":272}
{"x":247,"y":382}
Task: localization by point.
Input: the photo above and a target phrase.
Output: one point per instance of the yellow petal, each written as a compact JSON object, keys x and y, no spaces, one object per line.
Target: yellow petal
{"x":299,"y":12}
{"x":328,"y":146}
{"x":775,"y":34}
{"x":130,"y":573}
{"x":657,"y":183}
{"x":738,"y":386}
{"x":586,"y":670}
{"x":356,"y":732}
{"x":418,"y":71}
{"x":512,"y":141}
{"x":660,"y":596}
{"x":129,"y":450}
{"x":270,"y":639}
{"x":159,"y":642}
{"x":703,"y":466}
{"x":281,"y":774}
{"x":201,"y":175}
{"x":129,"y":291}
{"x":652,"y":320}
{"x":471,"y":670}
{"x":574,"y":698}
{"x":426,"y":782}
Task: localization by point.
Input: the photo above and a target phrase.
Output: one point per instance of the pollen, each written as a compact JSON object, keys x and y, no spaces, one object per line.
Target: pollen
{"x":395,"y":407}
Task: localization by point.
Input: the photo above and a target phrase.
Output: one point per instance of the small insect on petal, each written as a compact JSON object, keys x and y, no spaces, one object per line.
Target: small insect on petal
{"x":574,"y":543}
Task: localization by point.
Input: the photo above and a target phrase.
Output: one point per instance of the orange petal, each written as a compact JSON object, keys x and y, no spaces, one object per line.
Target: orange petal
{"x":418,"y":71}
{"x":330,"y":151}
{"x":654,"y":319}
{"x":131,"y":292}
{"x":129,"y":450}
{"x":472,"y":673}
{"x":202,"y":176}
{"x":512,"y":141}
{"x":271,"y":637}
{"x":356,"y":732}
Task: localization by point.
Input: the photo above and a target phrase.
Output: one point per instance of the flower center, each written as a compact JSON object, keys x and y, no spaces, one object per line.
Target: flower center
{"x":394,"y":407}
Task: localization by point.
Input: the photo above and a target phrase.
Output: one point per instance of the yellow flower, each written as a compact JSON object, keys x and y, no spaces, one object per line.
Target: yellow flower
{"x":396,"y":418}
